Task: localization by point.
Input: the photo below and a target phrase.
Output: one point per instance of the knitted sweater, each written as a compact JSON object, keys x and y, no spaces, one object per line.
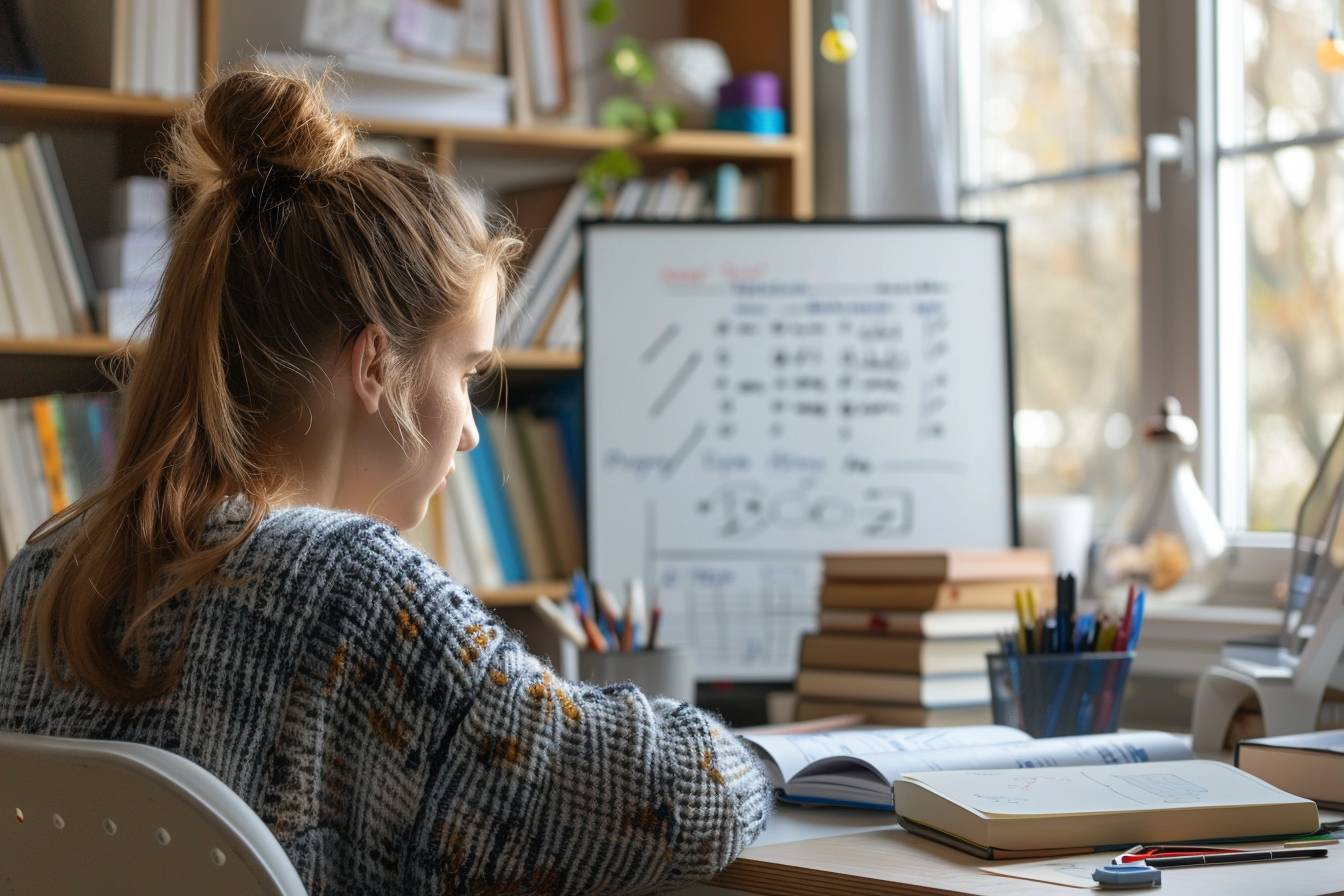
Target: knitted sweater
{"x":397,"y":738}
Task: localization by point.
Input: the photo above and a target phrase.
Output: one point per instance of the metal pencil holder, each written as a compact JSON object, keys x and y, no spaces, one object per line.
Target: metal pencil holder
{"x":1051,"y":695}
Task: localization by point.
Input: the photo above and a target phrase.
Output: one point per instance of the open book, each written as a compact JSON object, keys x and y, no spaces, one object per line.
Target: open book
{"x":857,"y":768}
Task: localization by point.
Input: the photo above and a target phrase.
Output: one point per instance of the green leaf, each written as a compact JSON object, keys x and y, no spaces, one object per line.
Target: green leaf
{"x":623,"y":112}
{"x":608,"y":170}
{"x":628,"y":61}
{"x":602,"y":12}
{"x":664,"y":118}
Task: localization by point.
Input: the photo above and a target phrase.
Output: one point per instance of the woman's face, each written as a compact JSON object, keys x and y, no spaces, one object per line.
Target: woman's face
{"x":397,"y":486}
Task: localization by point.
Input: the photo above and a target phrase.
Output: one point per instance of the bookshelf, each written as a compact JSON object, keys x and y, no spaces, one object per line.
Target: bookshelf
{"x":773,"y":35}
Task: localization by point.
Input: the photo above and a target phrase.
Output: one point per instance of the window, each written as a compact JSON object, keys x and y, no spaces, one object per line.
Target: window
{"x":1281,"y":255}
{"x":1246,"y":256}
{"x":1049,"y":142}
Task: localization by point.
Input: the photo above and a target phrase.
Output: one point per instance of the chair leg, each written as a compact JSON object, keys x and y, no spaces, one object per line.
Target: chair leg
{"x":1219,"y":694}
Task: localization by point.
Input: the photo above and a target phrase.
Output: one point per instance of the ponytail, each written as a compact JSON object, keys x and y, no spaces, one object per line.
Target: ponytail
{"x":289,"y":244}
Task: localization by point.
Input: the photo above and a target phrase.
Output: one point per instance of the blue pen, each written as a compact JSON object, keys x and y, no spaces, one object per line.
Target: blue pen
{"x":1137,"y":622}
{"x":579,"y":593}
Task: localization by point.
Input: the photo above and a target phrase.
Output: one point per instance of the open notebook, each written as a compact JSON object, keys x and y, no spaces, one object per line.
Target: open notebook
{"x":857,"y":768}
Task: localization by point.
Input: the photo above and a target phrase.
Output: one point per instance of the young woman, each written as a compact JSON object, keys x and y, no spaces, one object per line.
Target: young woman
{"x":237,"y":592}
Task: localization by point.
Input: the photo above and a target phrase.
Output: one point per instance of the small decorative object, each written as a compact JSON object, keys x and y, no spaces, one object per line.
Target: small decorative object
{"x":750,"y":102}
{"x":1330,"y":52}
{"x":1168,"y":539}
{"x":690,"y":71}
{"x":838,"y":43}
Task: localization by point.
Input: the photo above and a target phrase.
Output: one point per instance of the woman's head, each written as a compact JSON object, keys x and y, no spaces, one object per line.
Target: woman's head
{"x":314,"y":334}
{"x":332,"y":260}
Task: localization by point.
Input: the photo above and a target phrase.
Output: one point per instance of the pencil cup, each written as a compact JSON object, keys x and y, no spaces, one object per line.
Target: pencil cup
{"x":1053,"y":695}
{"x":663,"y":671}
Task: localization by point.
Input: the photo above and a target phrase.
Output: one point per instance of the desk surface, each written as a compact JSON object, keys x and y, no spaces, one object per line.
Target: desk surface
{"x":850,"y":853}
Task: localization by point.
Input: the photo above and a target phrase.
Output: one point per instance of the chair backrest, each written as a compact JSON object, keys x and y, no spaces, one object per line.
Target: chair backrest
{"x":87,"y":816}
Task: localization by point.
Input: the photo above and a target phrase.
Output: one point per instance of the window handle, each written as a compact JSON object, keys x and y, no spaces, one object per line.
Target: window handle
{"x":1163,"y":149}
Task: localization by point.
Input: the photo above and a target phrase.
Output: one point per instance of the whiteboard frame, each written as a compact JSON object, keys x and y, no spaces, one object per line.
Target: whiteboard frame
{"x":998,"y":226}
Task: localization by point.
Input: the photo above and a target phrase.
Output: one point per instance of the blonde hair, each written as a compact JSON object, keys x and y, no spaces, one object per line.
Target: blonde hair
{"x":288,"y":245}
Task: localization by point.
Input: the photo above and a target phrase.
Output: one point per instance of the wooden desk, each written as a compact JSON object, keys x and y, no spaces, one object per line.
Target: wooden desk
{"x":801,"y":853}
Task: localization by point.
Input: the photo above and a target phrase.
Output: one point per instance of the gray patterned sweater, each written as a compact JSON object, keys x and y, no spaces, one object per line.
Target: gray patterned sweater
{"x":398,"y":739}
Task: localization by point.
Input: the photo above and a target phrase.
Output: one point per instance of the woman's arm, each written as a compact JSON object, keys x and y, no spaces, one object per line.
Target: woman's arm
{"x":524,"y":779}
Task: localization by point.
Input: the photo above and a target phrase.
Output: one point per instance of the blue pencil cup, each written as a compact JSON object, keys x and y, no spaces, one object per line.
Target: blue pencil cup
{"x":1052,"y":695}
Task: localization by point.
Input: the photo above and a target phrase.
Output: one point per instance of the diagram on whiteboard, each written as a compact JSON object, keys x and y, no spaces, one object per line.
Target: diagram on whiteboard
{"x":758,"y":395}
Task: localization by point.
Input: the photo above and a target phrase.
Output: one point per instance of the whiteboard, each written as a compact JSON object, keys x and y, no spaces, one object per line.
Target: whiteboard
{"x":756,"y":394}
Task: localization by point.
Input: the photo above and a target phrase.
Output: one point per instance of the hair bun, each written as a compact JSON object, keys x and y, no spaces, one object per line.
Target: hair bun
{"x":251,"y":123}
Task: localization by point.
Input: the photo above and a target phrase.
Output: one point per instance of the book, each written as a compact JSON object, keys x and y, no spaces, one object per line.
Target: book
{"x":859,"y":767}
{"x":544,"y":450}
{"x":20,"y":263}
{"x":29,"y":214}
{"x":490,"y":482}
{"x":1014,"y":564}
{"x":62,"y":235}
{"x":884,"y":653}
{"x":932,"y":625}
{"x":902,"y":715}
{"x":520,"y":495}
{"x":468,"y":516}
{"x":998,"y":812}
{"x":1310,"y":765}
{"x":931,"y":595}
{"x":931,"y":691}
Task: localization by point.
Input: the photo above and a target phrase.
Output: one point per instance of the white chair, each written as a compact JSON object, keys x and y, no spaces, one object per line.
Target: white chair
{"x":87,"y":816}
{"x":1289,"y":692}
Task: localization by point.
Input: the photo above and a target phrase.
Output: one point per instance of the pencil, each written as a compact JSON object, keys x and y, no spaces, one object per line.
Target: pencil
{"x":654,"y":616}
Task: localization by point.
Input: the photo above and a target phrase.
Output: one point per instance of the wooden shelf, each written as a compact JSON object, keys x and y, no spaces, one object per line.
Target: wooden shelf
{"x":521,"y":594}
{"x":31,"y":367}
{"x":54,"y":102}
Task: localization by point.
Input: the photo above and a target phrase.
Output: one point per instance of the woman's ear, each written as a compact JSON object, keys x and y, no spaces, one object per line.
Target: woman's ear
{"x":368,"y":363}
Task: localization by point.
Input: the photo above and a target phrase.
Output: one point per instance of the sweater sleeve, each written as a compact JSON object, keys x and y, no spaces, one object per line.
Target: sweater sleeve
{"x":532,"y":782}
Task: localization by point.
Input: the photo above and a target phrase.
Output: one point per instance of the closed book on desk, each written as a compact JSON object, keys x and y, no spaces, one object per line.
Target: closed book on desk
{"x":883,"y":653}
{"x":1310,"y":765}
{"x":920,"y":690}
{"x":997,"y":812}
{"x":951,"y":566}
{"x":896,"y":714}
{"x":928,"y":596}
{"x":916,"y":624}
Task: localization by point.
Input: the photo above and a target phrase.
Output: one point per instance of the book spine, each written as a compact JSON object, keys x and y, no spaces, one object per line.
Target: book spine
{"x":490,"y":482}
{"x":73,"y":240}
{"x":71,"y":287}
{"x":518,"y":491}
{"x":469,"y":514}
{"x":49,"y":448}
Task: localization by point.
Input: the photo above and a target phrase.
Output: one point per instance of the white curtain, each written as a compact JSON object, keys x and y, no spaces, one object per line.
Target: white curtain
{"x":886,"y":138}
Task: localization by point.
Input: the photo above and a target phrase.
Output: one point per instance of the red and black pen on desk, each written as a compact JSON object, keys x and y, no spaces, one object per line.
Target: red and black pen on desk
{"x":593,"y":619}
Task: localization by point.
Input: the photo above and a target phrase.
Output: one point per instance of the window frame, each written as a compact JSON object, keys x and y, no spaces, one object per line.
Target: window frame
{"x":1192,"y":345}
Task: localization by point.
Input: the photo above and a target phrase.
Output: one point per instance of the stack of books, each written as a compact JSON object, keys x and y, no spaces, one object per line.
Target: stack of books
{"x":155,"y":47}
{"x":903,"y":635}
{"x":128,"y":264}
{"x":45,"y":282}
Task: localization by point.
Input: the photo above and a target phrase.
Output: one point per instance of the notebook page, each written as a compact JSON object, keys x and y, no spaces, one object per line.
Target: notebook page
{"x":1086,"y":749}
{"x":793,"y":752}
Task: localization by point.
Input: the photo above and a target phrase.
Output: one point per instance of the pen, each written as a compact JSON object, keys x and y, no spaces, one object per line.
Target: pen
{"x":560,"y":620}
{"x":1136,"y":622}
{"x":1229,"y":858}
{"x":656,"y":615}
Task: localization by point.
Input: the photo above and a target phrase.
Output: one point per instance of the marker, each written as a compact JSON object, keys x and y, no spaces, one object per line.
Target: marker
{"x":1232,"y":858}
